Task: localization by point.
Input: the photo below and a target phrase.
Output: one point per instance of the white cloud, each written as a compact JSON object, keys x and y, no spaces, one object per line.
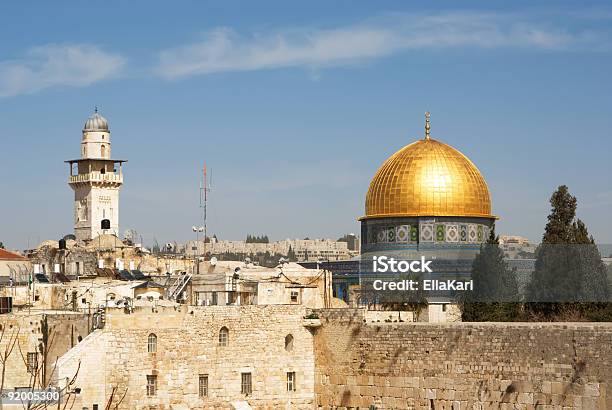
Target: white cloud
{"x":52,"y":65}
{"x":223,"y":50}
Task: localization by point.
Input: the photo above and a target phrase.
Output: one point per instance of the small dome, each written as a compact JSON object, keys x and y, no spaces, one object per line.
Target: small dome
{"x":96,"y":123}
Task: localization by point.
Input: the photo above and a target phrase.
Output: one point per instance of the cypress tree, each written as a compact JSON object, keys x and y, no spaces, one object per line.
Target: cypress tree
{"x":495,"y":296}
{"x":291,"y":255}
{"x":569,"y":274}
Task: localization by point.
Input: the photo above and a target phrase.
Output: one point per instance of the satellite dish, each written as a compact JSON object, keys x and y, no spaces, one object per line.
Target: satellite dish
{"x":213,"y":261}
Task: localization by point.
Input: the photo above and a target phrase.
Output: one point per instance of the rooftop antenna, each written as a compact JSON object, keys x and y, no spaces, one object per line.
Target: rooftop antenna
{"x":205,"y":185}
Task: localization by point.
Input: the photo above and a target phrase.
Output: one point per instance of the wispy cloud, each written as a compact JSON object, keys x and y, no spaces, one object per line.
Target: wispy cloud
{"x":52,"y":65}
{"x":223,"y":49}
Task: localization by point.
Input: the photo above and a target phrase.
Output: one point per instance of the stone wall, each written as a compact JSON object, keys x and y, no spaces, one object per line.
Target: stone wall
{"x":65,"y":331}
{"x":461,"y":365}
{"x":187,"y":346}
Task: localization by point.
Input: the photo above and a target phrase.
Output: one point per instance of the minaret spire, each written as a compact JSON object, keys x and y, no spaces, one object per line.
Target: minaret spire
{"x":427,"y":126}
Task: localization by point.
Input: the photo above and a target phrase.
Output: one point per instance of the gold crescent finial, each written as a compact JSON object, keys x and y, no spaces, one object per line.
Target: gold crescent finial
{"x":427,"y":126}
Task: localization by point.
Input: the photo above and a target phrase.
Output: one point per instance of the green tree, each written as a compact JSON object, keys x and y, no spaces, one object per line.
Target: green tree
{"x":495,"y":296}
{"x":569,"y":275}
{"x":1,"y":245}
{"x":291,"y":255}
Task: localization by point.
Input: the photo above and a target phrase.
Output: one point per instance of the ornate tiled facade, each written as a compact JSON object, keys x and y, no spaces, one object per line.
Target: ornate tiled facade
{"x":431,"y":231}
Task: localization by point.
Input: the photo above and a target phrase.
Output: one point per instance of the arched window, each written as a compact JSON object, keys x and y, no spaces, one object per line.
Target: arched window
{"x":223,"y":336}
{"x":289,"y":342}
{"x":152,"y":343}
{"x":103,"y":150}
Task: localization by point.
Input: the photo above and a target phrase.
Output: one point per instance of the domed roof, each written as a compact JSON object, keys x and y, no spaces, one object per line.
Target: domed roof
{"x":428,"y":178}
{"x":96,"y":123}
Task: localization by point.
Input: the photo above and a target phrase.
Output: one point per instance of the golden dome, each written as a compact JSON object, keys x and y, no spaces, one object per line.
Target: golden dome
{"x":428,"y":178}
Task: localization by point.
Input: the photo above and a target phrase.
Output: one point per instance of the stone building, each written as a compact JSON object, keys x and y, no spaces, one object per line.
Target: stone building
{"x":240,"y":283}
{"x":13,"y":265}
{"x":96,"y":180}
{"x":30,"y":343}
{"x":78,"y":259}
{"x":304,"y":249}
{"x":217,"y":357}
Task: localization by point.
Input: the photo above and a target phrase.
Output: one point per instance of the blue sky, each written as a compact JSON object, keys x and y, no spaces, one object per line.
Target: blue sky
{"x":295,"y":105}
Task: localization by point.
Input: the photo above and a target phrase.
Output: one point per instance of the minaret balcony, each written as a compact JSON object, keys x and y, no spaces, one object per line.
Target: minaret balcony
{"x":109,"y":177}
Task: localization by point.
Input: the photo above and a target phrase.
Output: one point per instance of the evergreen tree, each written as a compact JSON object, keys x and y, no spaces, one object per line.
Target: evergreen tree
{"x":559,"y":229}
{"x":1,"y":245}
{"x":291,"y":255}
{"x":495,"y":296}
{"x":569,"y":273}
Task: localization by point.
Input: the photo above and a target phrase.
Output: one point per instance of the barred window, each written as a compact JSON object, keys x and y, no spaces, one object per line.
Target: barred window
{"x":203,"y":385}
{"x":246,"y":386}
{"x":223,"y":336}
{"x":290,"y":381}
{"x":32,"y":362}
{"x":151,"y":385}
{"x":152,"y":343}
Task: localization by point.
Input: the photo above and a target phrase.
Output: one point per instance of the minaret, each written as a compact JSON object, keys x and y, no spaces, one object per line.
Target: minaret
{"x":96,"y":180}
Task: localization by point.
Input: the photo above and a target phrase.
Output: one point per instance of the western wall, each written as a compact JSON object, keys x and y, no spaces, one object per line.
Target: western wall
{"x":457,"y":366}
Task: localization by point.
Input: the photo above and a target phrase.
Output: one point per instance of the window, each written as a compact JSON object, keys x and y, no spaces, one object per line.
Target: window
{"x":32,"y":362}
{"x":290,"y":381}
{"x":94,"y":407}
{"x":295,"y":296}
{"x":103,"y":150}
{"x":289,"y":343}
{"x":151,"y":384}
{"x":223,"y":336}
{"x":246,"y":386}
{"x":444,"y":307}
{"x":203,"y":385}
{"x":152,"y":343}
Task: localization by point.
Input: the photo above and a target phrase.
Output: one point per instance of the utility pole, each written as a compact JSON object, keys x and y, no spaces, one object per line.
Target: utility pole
{"x":196,"y":250}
